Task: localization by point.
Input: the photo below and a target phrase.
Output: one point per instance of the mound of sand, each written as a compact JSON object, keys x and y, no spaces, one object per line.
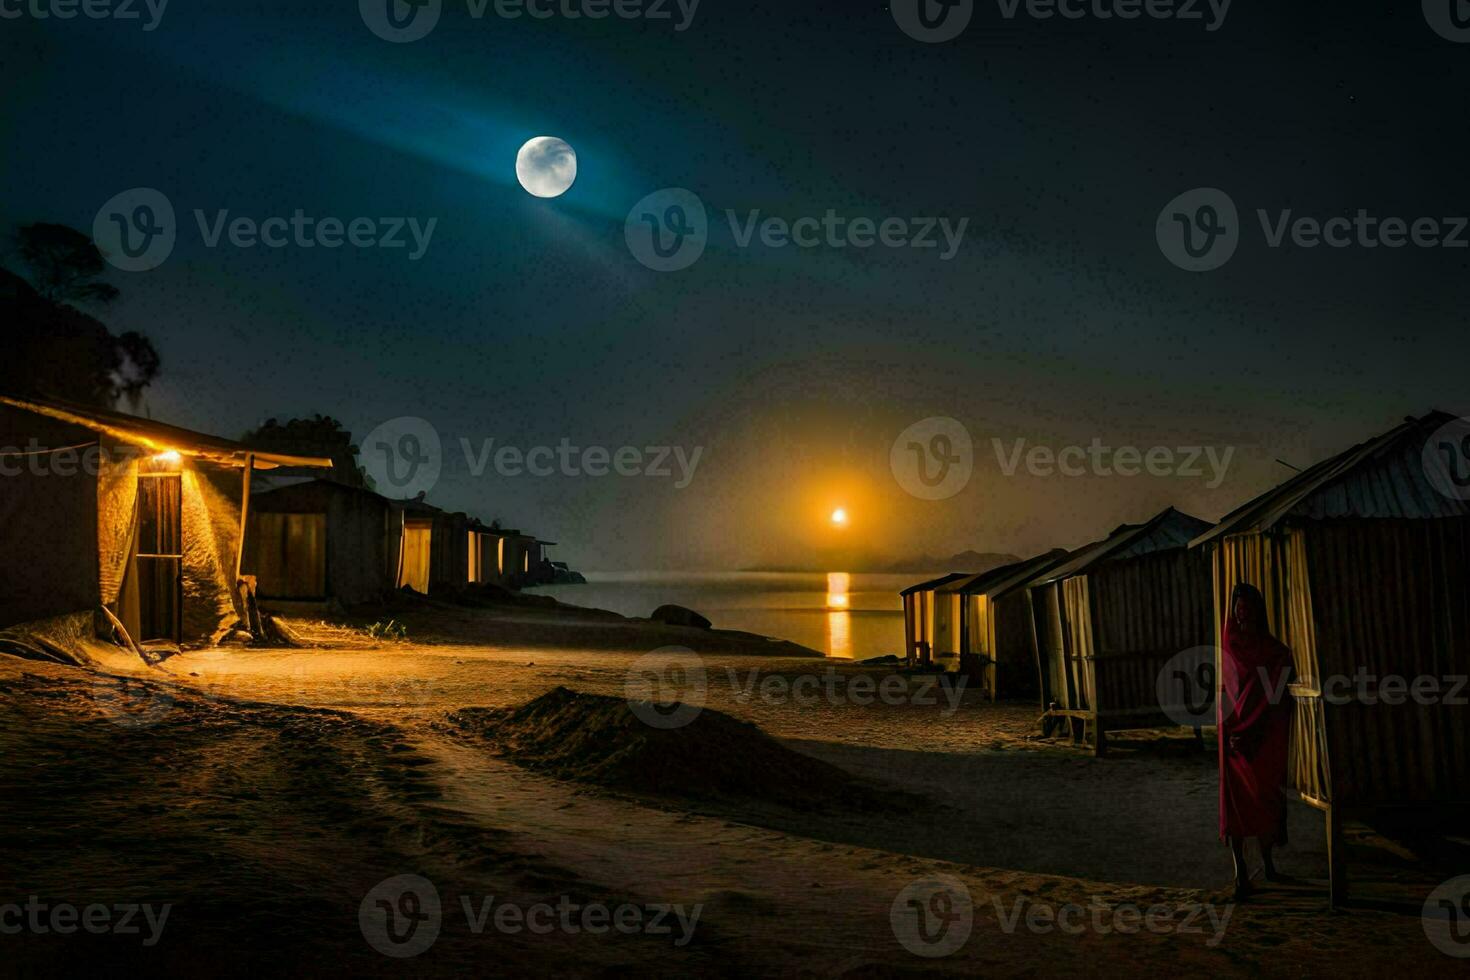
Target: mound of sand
{"x":598,"y":739}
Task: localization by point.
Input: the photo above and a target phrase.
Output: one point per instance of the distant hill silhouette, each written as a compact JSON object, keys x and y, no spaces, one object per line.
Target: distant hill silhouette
{"x":966,"y":561}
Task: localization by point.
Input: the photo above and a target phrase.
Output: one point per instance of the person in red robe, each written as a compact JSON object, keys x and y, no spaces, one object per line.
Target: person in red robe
{"x":1255,"y":731}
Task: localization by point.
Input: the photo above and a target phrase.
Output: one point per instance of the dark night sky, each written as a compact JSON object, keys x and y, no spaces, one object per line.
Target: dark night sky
{"x":528,"y":321}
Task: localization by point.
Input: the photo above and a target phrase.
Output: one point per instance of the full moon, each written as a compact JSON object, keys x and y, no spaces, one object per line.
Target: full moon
{"x":546,"y":166}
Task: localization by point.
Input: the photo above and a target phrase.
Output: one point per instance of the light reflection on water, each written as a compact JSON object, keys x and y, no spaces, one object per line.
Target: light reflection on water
{"x":842,"y":614}
{"x":839,"y":618}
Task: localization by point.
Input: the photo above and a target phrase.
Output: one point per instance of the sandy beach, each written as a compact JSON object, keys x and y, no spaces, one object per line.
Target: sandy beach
{"x":266,"y":792}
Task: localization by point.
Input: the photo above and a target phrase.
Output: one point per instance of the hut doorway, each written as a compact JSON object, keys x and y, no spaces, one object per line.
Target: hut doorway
{"x":418,"y":536}
{"x":158,"y":562}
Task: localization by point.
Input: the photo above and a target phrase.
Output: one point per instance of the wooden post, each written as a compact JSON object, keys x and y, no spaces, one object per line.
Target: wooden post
{"x":244,"y":512}
{"x":1099,"y":738}
{"x":1337,"y":884}
{"x":242,"y":603}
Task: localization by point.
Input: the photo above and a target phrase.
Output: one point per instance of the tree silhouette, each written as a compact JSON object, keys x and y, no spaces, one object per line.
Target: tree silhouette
{"x":320,"y":435}
{"x":56,"y":349}
{"x":65,"y":266}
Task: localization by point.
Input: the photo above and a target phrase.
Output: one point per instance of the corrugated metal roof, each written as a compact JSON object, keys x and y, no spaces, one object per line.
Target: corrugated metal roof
{"x":1383,"y":478}
{"x":964,"y":581}
{"x":157,"y":436}
{"x":934,"y":583}
{"x":1168,"y":529}
{"x":1003,"y":580}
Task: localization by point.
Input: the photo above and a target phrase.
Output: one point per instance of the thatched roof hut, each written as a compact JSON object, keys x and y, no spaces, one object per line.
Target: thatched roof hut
{"x":995,"y":625}
{"x":1364,"y":560}
{"x":919,"y":615}
{"x":319,"y":539}
{"x":120,"y":527}
{"x":1111,"y":617}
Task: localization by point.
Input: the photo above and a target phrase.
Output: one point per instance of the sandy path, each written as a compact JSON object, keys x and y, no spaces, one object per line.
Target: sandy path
{"x":269,"y":789}
{"x":780,"y":902}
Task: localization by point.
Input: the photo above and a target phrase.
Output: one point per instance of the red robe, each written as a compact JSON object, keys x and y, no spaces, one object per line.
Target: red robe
{"x":1255,"y":707}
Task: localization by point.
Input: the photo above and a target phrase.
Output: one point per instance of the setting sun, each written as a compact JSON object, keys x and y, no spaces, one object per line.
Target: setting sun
{"x":839,"y":517}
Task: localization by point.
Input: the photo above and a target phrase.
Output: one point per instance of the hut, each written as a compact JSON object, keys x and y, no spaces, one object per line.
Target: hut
{"x":444,"y":551}
{"x":454,"y":545}
{"x":318,"y":540}
{"x":481,"y":545}
{"x":520,"y":557}
{"x":1112,"y":616}
{"x":120,"y":528}
{"x":542,"y":570}
{"x":1364,"y":560}
{"x":496,"y":566}
{"x":997,"y":645}
{"x":919,"y":613}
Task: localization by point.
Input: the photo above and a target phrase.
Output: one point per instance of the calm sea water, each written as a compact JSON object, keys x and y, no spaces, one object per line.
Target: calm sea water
{"x":855,"y":615}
